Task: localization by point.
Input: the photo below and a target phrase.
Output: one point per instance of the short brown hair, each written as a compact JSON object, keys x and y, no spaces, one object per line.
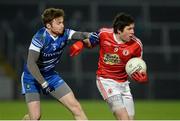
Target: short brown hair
{"x":51,"y":13}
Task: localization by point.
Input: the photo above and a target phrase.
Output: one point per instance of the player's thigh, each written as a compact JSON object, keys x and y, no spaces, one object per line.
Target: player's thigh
{"x":115,"y":102}
{"x":107,"y":87}
{"x":65,"y":95}
{"x":112,"y":93}
{"x":33,"y":103}
{"x":61,"y":91}
{"x":29,"y":84}
{"x":54,"y":79}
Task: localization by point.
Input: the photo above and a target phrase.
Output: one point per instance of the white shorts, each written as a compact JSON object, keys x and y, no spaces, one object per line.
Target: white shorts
{"x":110,"y":88}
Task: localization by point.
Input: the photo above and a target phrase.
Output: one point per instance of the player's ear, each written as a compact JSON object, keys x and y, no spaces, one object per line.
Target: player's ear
{"x":48,"y":26}
{"x":119,"y":31}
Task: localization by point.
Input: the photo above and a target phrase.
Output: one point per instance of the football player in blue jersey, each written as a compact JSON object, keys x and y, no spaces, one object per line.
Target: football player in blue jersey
{"x":44,"y":53}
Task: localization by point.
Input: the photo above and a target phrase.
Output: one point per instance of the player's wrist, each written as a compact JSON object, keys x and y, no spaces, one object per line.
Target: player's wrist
{"x":44,"y":85}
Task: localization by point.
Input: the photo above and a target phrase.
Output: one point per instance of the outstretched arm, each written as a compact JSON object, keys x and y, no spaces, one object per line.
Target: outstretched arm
{"x":80,"y":35}
{"x":83,"y":36}
{"x":90,"y":42}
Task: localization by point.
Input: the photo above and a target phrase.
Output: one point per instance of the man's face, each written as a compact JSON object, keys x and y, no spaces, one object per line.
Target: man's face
{"x":57,"y":26}
{"x":127,"y":33}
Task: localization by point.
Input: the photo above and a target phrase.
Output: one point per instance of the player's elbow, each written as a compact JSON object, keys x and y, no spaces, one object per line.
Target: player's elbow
{"x":30,"y":63}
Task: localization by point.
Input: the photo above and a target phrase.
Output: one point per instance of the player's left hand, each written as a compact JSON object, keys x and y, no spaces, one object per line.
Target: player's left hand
{"x":76,"y":48}
{"x":140,"y":77}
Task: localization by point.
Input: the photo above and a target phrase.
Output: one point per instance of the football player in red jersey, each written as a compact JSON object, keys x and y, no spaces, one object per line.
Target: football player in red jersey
{"x":117,"y":46}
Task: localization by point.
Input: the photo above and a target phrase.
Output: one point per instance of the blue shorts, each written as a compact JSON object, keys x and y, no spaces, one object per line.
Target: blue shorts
{"x":30,"y":85}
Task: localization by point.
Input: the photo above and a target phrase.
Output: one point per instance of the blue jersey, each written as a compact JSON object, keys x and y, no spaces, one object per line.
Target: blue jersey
{"x":50,"y":48}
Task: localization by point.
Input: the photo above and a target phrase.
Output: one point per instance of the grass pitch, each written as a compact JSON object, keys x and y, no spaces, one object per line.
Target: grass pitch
{"x":95,"y":110}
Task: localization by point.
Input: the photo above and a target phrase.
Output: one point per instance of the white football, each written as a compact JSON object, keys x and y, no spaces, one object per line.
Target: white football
{"x":135,"y":64}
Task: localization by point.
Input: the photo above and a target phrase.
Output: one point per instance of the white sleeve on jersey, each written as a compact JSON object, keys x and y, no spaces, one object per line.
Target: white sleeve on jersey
{"x":71,"y":32}
{"x":33,"y":47}
{"x":36,"y":44}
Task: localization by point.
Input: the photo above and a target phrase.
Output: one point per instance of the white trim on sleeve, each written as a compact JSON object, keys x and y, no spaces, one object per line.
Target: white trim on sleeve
{"x":71,"y":33}
{"x":33,"y":47}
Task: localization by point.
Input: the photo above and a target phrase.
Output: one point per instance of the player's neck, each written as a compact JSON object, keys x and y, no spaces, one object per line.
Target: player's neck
{"x":51,"y":33}
{"x":118,"y":39}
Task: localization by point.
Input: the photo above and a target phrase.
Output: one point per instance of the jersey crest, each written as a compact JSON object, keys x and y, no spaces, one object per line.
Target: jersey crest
{"x":125,"y":52}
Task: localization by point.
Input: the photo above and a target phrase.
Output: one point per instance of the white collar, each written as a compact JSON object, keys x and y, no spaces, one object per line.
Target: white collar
{"x":54,"y":38}
{"x":116,"y":39}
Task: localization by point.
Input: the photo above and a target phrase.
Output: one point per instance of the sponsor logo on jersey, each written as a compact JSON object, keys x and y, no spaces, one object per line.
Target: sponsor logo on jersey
{"x":125,"y":52}
{"x":111,"y":59}
{"x":52,"y":54}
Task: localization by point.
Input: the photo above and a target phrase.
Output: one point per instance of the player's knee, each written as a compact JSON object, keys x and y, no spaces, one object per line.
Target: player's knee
{"x":119,"y":111}
{"x":76,"y":109}
{"x":115,"y":104}
{"x":121,"y":114}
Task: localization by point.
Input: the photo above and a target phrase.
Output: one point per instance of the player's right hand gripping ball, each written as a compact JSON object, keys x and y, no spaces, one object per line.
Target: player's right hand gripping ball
{"x":76,"y":48}
{"x":136,"y":69}
{"x":140,"y":77}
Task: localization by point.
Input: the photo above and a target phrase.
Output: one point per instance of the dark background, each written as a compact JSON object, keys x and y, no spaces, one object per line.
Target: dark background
{"x":157,"y":25}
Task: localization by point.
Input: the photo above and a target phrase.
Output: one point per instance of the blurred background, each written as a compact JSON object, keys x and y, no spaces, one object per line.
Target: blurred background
{"x":157,"y":25}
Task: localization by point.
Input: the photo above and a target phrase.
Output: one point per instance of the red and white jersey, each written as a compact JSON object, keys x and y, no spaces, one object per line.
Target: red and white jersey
{"x":113,"y":56}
